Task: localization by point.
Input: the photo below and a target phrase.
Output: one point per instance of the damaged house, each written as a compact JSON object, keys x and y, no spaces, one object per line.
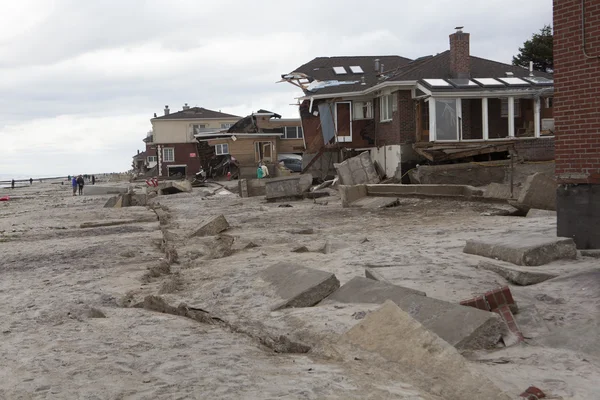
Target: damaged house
{"x":447,"y":107}
{"x":262,"y":136}
{"x":172,"y":141}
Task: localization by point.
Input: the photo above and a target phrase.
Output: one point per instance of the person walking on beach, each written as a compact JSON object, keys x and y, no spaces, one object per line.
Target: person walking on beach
{"x":30,"y":181}
{"x":74,"y":183}
{"x":93,"y":179}
{"x":12,"y":184}
{"x":80,"y":183}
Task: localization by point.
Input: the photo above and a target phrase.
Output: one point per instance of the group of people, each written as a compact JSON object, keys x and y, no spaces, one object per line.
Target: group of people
{"x":78,"y":182}
{"x":262,"y":171}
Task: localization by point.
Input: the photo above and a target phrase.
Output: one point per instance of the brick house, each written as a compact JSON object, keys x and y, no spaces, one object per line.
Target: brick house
{"x":450,"y":106}
{"x":577,"y":112}
{"x":172,"y":139}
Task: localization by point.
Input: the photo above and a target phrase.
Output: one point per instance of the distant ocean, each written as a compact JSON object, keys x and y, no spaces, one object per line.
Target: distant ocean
{"x":6,"y":178}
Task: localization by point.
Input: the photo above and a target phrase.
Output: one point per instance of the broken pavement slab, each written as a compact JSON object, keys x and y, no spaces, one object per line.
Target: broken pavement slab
{"x":285,"y":188}
{"x":374,"y":275}
{"x":357,"y":170}
{"x":299,"y":286}
{"x":526,"y":250}
{"x":212,"y":227}
{"x":539,"y":191}
{"x":462,"y":327}
{"x":173,"y":187}
{"x":522,"y":276}
{"x":398,"y":337}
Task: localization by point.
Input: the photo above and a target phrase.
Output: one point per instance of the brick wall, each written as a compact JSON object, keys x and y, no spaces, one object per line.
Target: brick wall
{"x":535,"y":149}
{"x":577,"y":92}
{"x":403,"y":126}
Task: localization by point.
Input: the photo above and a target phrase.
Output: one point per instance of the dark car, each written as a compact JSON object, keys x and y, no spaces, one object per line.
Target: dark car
{"x":292,"y":164}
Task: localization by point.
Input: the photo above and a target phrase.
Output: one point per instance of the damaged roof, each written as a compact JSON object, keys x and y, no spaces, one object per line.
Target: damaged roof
{"x":438,"y":67}
{"x":197,"y":113}
{"x":322,"y":69}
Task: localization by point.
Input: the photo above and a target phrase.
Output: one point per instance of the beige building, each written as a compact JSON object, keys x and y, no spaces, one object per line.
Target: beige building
{"x":173,"y":141}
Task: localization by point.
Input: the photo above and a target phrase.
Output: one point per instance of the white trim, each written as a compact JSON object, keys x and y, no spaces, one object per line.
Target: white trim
{"x":484,"y":118}
{"x":176,"y":165}
{"x":478,"y":94}
{"x":400,"y":84}
{"x":216,"y":135}
{"x":336,"y":122}
{"x":459,"y":119}
{"x":511,"y":117}
{"x":432,"y":126}
{"x":536,"y":117}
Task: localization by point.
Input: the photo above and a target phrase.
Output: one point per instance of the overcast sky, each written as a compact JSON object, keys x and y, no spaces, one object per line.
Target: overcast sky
{"x":79,"y":80}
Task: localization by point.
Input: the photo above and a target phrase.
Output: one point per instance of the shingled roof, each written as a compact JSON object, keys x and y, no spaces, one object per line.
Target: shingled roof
{"x":197,"y":113}
{"x":438,"y":67}
{"x":321,"y":69}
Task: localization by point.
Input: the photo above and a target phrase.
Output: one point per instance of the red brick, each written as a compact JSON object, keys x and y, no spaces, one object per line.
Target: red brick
{"x":532,"y":390}
{"x":476,"y":302}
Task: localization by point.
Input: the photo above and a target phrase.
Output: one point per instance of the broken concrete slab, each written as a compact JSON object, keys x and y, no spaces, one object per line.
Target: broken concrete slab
{"x":537,"y":213}
{"x":374,"y":203}
{"x":284,"y":188}
{"x":530,"y":250}
{"x":299,"y":286}
{"x":112,"y":202}
{"x":462,"y":327}
{"x":500,"y":191}
{"x":398,"y":337}
{"x":98,"y":224}
{"x":212,"y":227}
{"x":522,"y":276}
{"x":350,"y":194}
{"x":364,"y":290}
{"x":97,"y":190}
{"x":251,"y":187}
{"x":374,"y":275}
{"x":173,"y":187}
{"x":357,"y":170}
{"x":539,"y":191}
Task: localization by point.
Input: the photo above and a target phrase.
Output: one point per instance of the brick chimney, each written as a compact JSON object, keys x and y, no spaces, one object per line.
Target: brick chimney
{"x":460,"y":62}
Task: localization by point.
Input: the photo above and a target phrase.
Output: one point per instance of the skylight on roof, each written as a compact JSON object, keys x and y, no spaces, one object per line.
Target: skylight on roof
{"x":339,"y":70}
{"x":462,"y":83}
{"x":356,"y":69}
{"x":513,"y":81}
{"x":539,"y":80}
{"x":437,"y":83}
{"x":487,"y":82}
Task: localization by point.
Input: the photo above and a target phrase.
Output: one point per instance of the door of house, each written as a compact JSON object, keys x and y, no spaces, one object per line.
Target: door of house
{"x":343,"y":121}
{"x":263,"y":151}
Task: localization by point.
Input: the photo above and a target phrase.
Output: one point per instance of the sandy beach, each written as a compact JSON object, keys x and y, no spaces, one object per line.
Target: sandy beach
{"x":74,"y":277}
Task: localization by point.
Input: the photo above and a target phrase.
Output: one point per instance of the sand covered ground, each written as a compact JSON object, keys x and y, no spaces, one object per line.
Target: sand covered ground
{"x":69,"y":329}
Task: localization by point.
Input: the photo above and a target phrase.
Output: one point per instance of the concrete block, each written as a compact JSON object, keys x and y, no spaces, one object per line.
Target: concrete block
{"x":393,"y":334}
{"x":521,"y":276}
{"x":350,"y":194}
{"x":97,"y":190}
{"x":298,"y":286}
{"x":462,"y":327}
{"x":536,"y":213}
{"x":172,"y":187}
{"x":243,"y":188}
{"x":112,"y":202}
{"x":500,"y":191}
{"x":212,"y":227}
{"x":287,"y":187}
{"x":357,"y":170}
{"x":539,"y":191}
{"x":530,"y":250}
{"x":376,"y":276}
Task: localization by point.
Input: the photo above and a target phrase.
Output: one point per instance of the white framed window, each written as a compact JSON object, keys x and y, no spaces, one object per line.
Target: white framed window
{"x":504,"y":108}
{"x":199,"y":128}
{"x":363,"y":110}
{"x":168,"y":154}
{"x":292,"y":132}
{"x":151,"y":159}
{"x":221,"y":149}
{"x":387,"y":107}
{"x":226,"y":126}
{"x":549,"y":102}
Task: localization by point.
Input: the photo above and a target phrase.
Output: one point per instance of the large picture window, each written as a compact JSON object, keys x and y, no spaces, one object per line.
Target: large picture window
{"x":292,"y":132}
{"x":168,"y":154}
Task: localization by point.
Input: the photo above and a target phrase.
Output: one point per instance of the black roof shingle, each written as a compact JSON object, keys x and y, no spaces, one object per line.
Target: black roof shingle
{"x":197,"y":113}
